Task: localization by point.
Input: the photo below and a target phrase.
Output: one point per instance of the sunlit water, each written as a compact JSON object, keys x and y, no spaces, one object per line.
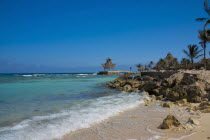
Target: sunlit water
{"x":46,"y":106}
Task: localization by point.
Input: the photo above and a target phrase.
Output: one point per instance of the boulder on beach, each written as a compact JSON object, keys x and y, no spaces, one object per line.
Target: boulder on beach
{"x":169,"y":122}
{"x":127,"y":88}
{"x":194,"y":121}
{"x":159,"y":97}
{"x":204,"y":107}
{"x":145,"y":100}
{"x":182,"y":102}
{"x":153,"y":97}
{"x":168,"y":104}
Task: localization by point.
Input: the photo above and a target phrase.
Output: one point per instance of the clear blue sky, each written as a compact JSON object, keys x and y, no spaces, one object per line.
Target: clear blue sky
{"x":78,"y":35}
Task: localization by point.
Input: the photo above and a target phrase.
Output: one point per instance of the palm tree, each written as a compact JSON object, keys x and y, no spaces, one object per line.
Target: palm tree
{"x":146,"y":68}
{"x":185,"y":62}
{"x":207,"y":20}
{"x":139,"y":66}
{"x":160,"y":64}
{"x":192,"y":52}
{"x":150,"y":64}
{"x":204,"y":41}
{"x":175,"y":64}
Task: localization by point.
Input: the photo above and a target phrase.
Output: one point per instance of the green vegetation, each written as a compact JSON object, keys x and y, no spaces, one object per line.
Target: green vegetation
{"x":192,"y":52}
{"x":185,"y":63}
{"x":140,"y":67}
{"x":204,"y":34}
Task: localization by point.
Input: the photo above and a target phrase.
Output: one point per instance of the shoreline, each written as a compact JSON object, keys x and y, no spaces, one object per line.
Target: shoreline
{"x":179,"y":97}
{"x":141,"y":122}
{"x":203,"y":131}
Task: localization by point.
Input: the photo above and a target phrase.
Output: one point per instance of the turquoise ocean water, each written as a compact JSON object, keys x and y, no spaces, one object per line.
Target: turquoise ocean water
{"x":47,"y":106}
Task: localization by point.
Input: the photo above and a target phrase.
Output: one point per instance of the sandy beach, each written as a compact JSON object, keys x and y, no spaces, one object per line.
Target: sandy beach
{"x":140,"y":123}
{"x":202,"y":132}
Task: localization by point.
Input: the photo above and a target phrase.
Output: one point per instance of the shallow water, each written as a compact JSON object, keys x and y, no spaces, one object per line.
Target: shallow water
{"x":46,"y":106}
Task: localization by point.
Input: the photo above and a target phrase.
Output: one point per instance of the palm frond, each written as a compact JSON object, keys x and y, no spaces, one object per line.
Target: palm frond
{"x":201,"y":19}
{"x":186,"y":53}
{"x":207,"y":22}
{"x":199,"y":51}
{"x":199,"y":56}
{"x":204,"y":35}
{"x":202,"y":44}
{"x":206,"y":7}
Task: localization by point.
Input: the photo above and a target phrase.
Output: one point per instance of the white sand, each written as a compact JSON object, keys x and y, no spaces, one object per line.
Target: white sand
{"x":140,"y":123}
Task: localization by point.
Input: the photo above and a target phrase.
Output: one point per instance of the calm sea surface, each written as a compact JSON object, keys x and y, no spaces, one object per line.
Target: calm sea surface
{"x":46,"y":106}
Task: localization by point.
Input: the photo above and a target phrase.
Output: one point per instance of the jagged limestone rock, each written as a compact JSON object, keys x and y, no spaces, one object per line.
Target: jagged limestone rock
{"x":145,"y":100}
{"x":182,"y":102}
{"x":168,"y":104}
{"x":177,"y":87}
{"x":194,"y":121}
{"x":159,"y":97}
{"x":127,"y":88}
{"x":153,"y":97}
{"x":169,"y":122}
{"x":204,"y":107}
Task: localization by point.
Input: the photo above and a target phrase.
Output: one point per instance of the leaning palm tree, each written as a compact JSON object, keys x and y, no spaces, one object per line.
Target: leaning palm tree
{"x":193,"y":52}
{"x":207,"y":20}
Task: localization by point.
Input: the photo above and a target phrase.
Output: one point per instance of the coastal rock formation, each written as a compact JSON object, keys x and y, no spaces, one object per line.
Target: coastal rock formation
{"x":182,"y":102}
{"x":160,"y":97}
{"x":127,"y":88}
{"x":168,"y":104}
{"x":179,"y":86}
{"x":169,"y":122}
{"x":145,"y":100}
{"x":202,"y":74}
{"x":194,"y":121}
{"x":204,"y":107}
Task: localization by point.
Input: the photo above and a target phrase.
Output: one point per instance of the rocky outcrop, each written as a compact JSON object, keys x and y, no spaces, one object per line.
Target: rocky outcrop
{"x":182,"y":102}
{"x":202,"y":74}
{"x":204,"y":107}
{"x":159,"y":75}
{"x":169,"y":122}
{"x":159,"y":97}
{"x":168,"y":104}
{"x":177,"y":87}
{"x":194,"y":121}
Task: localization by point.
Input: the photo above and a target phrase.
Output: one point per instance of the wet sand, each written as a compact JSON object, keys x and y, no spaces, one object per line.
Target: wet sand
{"x":202,"y":132}
{"x":139,"y":123}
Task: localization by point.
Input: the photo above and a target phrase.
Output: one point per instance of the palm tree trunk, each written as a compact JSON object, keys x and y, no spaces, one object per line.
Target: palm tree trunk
{"x":192,"y":61}
{"x":204,"y":53}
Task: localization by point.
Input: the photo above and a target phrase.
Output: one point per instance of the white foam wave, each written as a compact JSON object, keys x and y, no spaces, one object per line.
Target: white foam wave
{"x":82,"y":115}
{"x":82,"y":74}
{"x":27,"y":75}
{"x":38,"y":75}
